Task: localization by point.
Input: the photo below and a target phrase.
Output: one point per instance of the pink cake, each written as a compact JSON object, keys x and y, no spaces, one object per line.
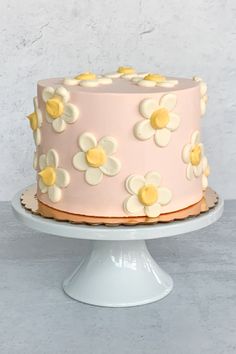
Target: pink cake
{"x":120,"y":144}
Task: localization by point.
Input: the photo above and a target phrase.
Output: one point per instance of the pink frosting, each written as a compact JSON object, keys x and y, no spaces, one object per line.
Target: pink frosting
{"x":114,"y":110}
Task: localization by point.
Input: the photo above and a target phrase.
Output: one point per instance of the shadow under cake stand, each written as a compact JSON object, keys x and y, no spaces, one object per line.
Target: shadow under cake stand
{"x":119,"y":270}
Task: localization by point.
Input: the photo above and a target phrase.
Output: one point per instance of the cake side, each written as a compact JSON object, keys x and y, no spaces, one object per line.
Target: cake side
{"x":121,"y":151}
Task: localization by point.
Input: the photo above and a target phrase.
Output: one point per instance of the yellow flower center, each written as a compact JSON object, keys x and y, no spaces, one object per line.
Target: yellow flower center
{"x":96,"y":157}
{"x":155,"y":77}
{"x":160,"y":118}
{"x":33,"y":118}
{"x":86,"y":76}
{"x":148,"y":195}
{"x":48,"y":176}
{"x":55,"y":107}
{"x":196,"y":155}
{"x":126,"y":70}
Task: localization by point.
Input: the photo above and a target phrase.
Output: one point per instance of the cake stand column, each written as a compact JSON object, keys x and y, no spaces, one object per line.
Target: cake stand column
{"x":117,"y":274}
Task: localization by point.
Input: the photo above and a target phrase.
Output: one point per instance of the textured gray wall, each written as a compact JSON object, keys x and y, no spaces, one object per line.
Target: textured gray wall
{"x":42,"y":38}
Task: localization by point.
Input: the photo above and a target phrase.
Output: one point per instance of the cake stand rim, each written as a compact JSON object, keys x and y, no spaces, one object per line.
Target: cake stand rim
{"x":119,"y":233}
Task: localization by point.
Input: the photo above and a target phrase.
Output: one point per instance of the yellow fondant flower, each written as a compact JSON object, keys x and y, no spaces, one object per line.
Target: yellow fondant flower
{"x":126,"y":72}
{"x":59,"y":111}
{"x":152,"y":80}
{"x":51,"y":177}
{"x":87,"y":79}
{"x":36,"y":120}
{"x":205,"y":173}
{"x":96,"y":157}
{"x":147,"y":196}
{"x":193,"y":156}
{"x":160,"y":120}
{"x":203,"y":94}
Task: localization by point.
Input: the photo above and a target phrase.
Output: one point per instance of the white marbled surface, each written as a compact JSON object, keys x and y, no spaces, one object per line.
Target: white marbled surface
{"x":57,"y":38}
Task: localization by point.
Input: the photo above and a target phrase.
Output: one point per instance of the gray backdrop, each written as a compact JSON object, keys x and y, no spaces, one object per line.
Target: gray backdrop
{"x":42,"y":38}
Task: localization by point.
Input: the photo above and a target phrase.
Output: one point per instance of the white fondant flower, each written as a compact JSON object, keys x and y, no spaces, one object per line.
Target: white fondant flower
{"x":59,"y":111}
{"x":35,"y":160}
{"x":96,"y":157}
{"x":160,"y":120}
{"x":126,"y":72}
{"x":203,"y":94}
{"x":205,"y":173}
{"x":36,"y":120}
{"x":152,"y":80}
{"x":147,"y":197}
{"x":52,"y":178}
{"x":88,"y":79}
{"x":193,"y":156}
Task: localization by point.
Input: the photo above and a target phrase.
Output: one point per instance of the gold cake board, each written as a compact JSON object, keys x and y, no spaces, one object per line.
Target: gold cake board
{"x":30,"y":202}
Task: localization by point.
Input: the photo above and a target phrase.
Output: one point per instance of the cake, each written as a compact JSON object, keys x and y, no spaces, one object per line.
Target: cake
{"x":123,"y":144}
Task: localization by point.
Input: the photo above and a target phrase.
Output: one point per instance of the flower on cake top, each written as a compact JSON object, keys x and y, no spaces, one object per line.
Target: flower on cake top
{"x":59,"y":111}
{"x":152,"y":80}
{"x":160,"y":120}
{"x":95,"y":158}
{"x":36,"y":120}
{"x":205,"y":173}
{"x":147,"y":195}
{"x":35,"y":160}
{"x":52,"y":178}
{"x":88,"y":79}
{"x":203,"y":94}
{"x":125,"y":72}
{"x":193,"y":156}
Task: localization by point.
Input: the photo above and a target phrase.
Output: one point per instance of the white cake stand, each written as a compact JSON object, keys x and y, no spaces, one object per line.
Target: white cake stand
{"x":119,"y":270}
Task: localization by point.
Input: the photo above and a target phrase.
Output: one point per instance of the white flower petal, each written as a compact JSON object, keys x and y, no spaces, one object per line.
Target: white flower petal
{"x":52,"y":158}
{"x":134,"y":183}
{"x":129,"y":76}
{"x":165,"y":84}
{"x":71,"y":113}
{"x":37,"y":136}
{"x":43,"y":188}
{"x":153,"y":211}
{"x":168,"y":101}
{"x":143,"y":130}
{"x":147,"y":107}
{"x":70,"y":82}
{"x":54,"y":193}
{"x":35,"y":161}
{"x":109,"y":144}
{"x":132,"y":205}
{"x":186,"y":153}
{"x":42,"y":161}
{"x":136,"y":79}
{"x":204,"y":182}
{"x":203,"y":88}
{"x":153,"y":178}
{"x":113,"y":75}
{"x":80,"y":162}
{"x":202,"y":106}
{"x":204,"y":163}
{"x":93,"y":176}
{"x":104,"y":80}
{"x":162,"y":137}
{"x":174,"y":121}
{"x":89,"y":83}
{"x":164,"y":195}
{"x":189,"y":172}
{"x":141,"y":75}
{"x":197,"y":78}
{"x":47,"y":93}
{"x":147,"y":83}
{"x":195,"y":138}
{"x":62,"y":178}
{"x":59,"y":125}
{"x":63,"y":93}
{"x":197,"y":170}
{"x":39,"y":116}
{"x":111,"y":167}
{"x":87,"y":141}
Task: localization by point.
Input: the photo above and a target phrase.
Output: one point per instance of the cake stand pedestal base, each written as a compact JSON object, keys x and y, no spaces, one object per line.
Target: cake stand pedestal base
{"x":119,"y":270}
{"x":118,"y":274}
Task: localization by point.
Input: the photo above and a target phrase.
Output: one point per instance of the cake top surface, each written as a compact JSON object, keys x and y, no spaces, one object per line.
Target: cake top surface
{"x":124,"y":80}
